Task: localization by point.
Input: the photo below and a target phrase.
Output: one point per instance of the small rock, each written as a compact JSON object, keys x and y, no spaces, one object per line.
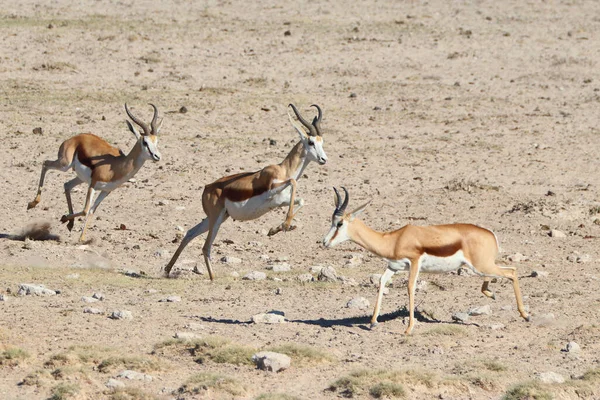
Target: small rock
{"x":544,"y":319}
{"x":264,"y":257}
{"x":315,"y":269}
{"x":584,"y":258}
{"x":98,"y":296}
{"x":496,"y":327}
{"x":121,"y":314}
{"x":162,"y":253}
{"x":279,"y":291}
{"x":358,"y":302}
{"x":271,"y":361}
{"x":37,"y":131}
{"x":150,"y":291}
{"x":551,"y":377}
{"x":170,"y":299}
{"x":507,"y":307}
{"x":114,"y":384}
{"x":254,"y":243}
{"x":186,"y":335}
{"x":517,"y":257}
{"x":353,"y":260}
{"x":283,"y":267}
{"x":134,"y":375}
{"x":572,"y":347}
{"x":2,"y":297}
{"x":328,"y":274}
{"x":29,"y":244}
{"x":272,"y":317}
{"x":460,"y":317}
{"x":231,"y":260}
{"x":87,"y":299}
{"x":421,"y":286}
{"x":483,"y":310}
{"x":375,"y":279}
{"x":348,"y":281}
{"x":131,"y":273}
{"x":163,"y":203}
{"x":179,"y":228}
{"x":557,"y":234}
{"x":92,"y":310}
{"x":539,"y":274}
{"x":255,"y":276}
{"x":34,"y":290}
{"x":436,"y":350}
{"x":305,"y":277}
{"x":234,"y":274}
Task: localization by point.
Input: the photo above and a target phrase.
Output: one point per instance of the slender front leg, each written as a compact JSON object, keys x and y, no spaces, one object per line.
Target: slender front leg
{"x":382,"y":282}
{"x":68,"y":187}
{"x":90,"y":214}
{"x":86,"y":209}
{"x":189,"y":236}
{"x":212,"y":233}
{"x":287,"y":224}
{"x":412,"y":283}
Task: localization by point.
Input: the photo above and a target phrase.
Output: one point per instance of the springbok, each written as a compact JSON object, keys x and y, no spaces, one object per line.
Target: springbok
{"x":432,"y":249}
{"x":249,"y":195}
{"x":102,"y":166}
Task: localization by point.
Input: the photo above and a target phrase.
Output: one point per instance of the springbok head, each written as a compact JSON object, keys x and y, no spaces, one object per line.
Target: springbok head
{"x":340,"y":220}
{"x":310,"y":134}
{"x":149,"y":135}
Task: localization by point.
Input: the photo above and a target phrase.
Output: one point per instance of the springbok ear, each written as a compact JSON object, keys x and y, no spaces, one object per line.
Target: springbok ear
{"x":133,"y":130}
{"x":359,"y":210}
{"x":299,"y":128}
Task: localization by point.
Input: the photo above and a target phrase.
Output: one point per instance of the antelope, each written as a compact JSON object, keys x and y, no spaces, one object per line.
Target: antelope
{"x":431,"y":249}
{"x":102,"y":166}
{"x":247,"y":196}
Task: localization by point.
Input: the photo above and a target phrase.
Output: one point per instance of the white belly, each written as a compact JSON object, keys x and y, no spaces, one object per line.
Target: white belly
{"x":439,"y":265}
{"x":432,"y":264}
{"x":257,"y":206}
{"x":85,"y":174}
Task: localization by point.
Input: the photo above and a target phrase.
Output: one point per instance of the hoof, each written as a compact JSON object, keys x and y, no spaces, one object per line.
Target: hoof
{"x":64,"y":219}
{"x":273,"y":231}
{"x":373,"y":325}
{"x":31,"y":205}
{"x":70,"y":225}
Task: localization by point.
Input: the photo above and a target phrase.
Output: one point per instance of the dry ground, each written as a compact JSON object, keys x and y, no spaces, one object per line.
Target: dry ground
{"x":476,"y":111}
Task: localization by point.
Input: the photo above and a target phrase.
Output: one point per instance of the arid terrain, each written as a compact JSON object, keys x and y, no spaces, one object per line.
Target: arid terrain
{"x":484,"y":112}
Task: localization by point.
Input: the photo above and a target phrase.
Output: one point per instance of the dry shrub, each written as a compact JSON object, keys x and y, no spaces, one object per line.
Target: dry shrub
{"x":130,"y":393}
{"x":136,"y":363}
{"x":381,"y":383}
{"x":207,"y":384}
{"x":527,"y":391}
{"x":302,"y":354}
{"x":64,"y":391}
{"x":13,"y":356}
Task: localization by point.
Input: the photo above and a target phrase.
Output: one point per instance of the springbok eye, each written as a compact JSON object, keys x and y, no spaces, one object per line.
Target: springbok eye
{"x":339,"y":224}
{"x":310,"y":142}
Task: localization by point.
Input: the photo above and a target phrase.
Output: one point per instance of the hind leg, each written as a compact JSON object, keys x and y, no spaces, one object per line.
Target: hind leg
{"x":60,"y":165}
{"x":189,"y":236}
{"x":508,"y":273}
{"x":485,"y":288}
{"x":213,"y":229}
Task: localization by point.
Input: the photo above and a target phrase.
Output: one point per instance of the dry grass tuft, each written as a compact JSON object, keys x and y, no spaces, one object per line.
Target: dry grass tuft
{"x":206,"y":384}
{"x":64,"y":391}
{"x":136,"y":363}
{"x":130,"y":393}
{"x":303,"y":354}
{"x":381,"y":383}
{"x":36,"y":378}
{"x":527,"y":391}
{"x":222,"y":351}
{"x":276,"y":396}
{"x":13,"y":356}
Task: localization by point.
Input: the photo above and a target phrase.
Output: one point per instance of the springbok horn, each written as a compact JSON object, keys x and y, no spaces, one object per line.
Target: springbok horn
{"x":154,"y":118}
{"x":345,"y":204}
{"x":337,"y":203}
{"x":311,"y":129}
{"x":137,"y":121}
{"x":317,"y":120}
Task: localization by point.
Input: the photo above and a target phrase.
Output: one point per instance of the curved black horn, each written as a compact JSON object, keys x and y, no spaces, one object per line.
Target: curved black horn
{"x":311,"y":129}
{"x":317,"y":120}
{"x":154,"y":119}
{"x":137,"y":121}
{"x":338,"y":202}
{"x":345,"y":204}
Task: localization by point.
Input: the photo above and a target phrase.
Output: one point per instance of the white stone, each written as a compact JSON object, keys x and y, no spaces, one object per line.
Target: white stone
{"x":231,"y":260}
{"x":584,"y":258}
{"x":283,"y":267}
{"x":358,"y":302}
{"x":551,"y":377}
{"x":2,"y":297}
{"x":460,"y":316}
{"x":573,"y":347}
{"x":375,"y":279}
{"x":98,"y":296}
{"x":483,"y":310}
{"x":171,"y":299}
{"x":557,"y":234}
{"x":134,"y":375}
{"x":328,"y":274}
{"x":87,"y":299}
{"x":305,"y":277}
{"x":269,"y":318}
{"x":121,"y":314}
{"x":114,"y":384}
{"x":271,"y":361}
{"x":517,"y":257}
{"x":315,"y":269}
{"x":255,"y":276}
{"x":92,"y":310}
{"x":34,"y":290}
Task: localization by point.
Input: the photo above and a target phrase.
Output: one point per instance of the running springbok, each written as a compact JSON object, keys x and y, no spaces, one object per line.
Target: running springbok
{"x":100,"y":165}
{"x":432,"y":249}
{"x":249,"y":195}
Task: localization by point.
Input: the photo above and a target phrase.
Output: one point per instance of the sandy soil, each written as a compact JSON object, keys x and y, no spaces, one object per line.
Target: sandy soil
{"x":483,"y":112}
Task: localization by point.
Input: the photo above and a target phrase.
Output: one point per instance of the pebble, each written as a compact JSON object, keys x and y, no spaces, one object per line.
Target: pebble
{"x":517,"y":257}
{"x":348,"y":281}
{"x":305,"y":277}
{"x":255,"y":276}
{"x":496,"y":327}
{"x":272,"y":317}
{"x":134,"y":375}
{"x":315,"y":269}
{"x":92,"y":310}
{"x":328,"y":274}
{"x":231,"y":260}
{"x":271,"y":361}
{"x":539,"y":274}
{"x":34,"y":290}
{"x":483,"y":310}
{"x":170,"y":299}
{"x":98,"y":296}
{"x":132,"y":273}
{"x":557,"y":234}
{"x":2,"y":297}
{"x":283,"y":267}
{"x":460,"y":317}
{"x":358,"y":302}
{"x":87,"y":299}
{"x":121,"y":314}
{"x":353,"y":260}
{"x":114,"y":384}
{"x":551,"y":377}
{"x":572,"y":347}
